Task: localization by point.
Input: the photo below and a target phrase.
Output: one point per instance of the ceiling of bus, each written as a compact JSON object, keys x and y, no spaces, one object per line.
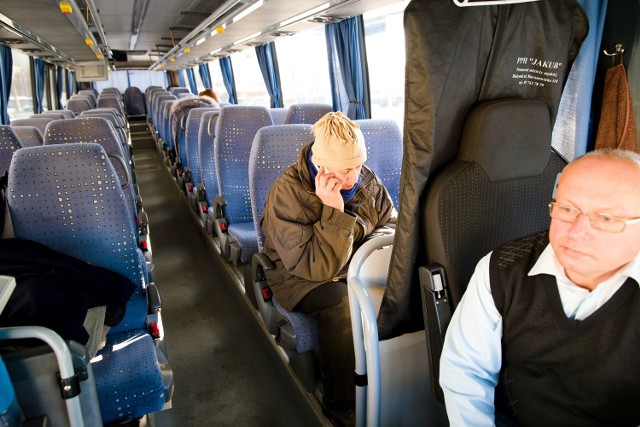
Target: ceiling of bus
{"x":165,"y":27}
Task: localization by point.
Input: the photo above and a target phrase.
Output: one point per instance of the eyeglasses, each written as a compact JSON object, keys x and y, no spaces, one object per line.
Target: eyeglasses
{"x":599,"y":221}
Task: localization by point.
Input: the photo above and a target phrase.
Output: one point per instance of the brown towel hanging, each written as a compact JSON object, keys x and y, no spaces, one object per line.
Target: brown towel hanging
{"x":617,"y":128}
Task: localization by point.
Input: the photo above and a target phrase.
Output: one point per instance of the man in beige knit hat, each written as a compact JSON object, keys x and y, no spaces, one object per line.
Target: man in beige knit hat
{"x":316,"y":215}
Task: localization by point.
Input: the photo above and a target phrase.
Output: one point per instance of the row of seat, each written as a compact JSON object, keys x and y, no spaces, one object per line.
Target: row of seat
{"x":234,"y":154}
{"x":75,"y":193}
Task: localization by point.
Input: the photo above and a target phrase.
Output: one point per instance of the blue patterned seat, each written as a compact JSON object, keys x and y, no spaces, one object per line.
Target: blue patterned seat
{"x":206,"y":136}
{"x":68,"y":197}
{"x":9,"y":143}
{"x":39,"y":122}
{"x":235,"y":129}
{"x":384,"y":152}
{"x":134,"y":102}
{"x":306,"y":113}
{"x":29,"y":136}
{"x":191,"y":141}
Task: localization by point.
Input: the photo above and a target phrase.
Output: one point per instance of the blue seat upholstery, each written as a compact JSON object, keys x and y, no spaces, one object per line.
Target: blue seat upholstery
{"x":278,"y":115}
{"x":178,"y":90}
{"x":97,"y":130}
{"x":306,"y":113}
{"x":78,"y":105}
{"x":39,"y":122}
{"x":206,"y":136}
{"x":150,"y":93}
{"x":274,"y":149}
{"x":383,"y":139}
{"x":110,"y":102}
{"x":9,"y":143}
{"x":90,"y":93}
{"x":157,"y":109}
{"x":29,"y":136}
{"x":191,"y":141}
{"x":235,"y":130}
{"x":89,"y":98}
{"x":134,"y":102}
{"x":111,"y":117}
{"x":54,"y":115}
{"x":68,"y":197}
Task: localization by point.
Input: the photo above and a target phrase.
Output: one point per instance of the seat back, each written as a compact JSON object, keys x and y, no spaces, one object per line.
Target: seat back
{"x":206,"y":136}
{"x":306,"y":113}
{"x":90,"y":98}
{"x":68,"y":197}
{"x":29,"y":136}
{"x":134,"y":102}
{"x":383,"y":139}
{"x":54,"y":115}
{"x":235,"y":130}
{"x":192,"y":136}
{"x":178,"y":90}
{"x":100,"y":131}
{"x":278,"y":115}
{"x":9,"y":143}
{"x":110,"y":102}
{"x":495,"y":190}
{"x":157,"y":109}
{"x":274,"y":149}
{"x":78,"y":105}
{"x":39,"y":122}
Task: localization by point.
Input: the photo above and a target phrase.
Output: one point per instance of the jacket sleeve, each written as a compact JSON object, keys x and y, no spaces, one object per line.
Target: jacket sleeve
{"x":311,"y":246}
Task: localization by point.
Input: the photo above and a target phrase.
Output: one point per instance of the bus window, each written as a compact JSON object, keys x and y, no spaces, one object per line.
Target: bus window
{"x":117,"y":79}
{"x":304,"y":72}
{"x":250,"y":85}
{"x":216,"y":81}
{"x":384,"y":37}
{"x":20,"y":99}
{"x":142,"y":79}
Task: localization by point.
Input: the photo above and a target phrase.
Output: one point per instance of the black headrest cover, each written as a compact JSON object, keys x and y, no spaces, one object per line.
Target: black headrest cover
{"x":508,"y":138}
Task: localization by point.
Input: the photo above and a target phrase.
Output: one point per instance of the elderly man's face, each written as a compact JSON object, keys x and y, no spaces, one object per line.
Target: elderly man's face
{"x":347,"y":177}
{"x":597,"y":185}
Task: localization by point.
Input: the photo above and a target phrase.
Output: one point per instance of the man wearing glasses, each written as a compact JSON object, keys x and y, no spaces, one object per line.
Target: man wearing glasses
{"x":548,"y":331}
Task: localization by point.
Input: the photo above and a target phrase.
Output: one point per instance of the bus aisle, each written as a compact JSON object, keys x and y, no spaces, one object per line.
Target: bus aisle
{"x":226,"y":371}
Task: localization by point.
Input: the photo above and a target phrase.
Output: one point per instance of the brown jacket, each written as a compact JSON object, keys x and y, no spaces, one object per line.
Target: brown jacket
{"x":311,"y":243}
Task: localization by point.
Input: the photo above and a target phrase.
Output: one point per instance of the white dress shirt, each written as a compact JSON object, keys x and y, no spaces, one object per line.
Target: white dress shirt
{"x":472,"y":354}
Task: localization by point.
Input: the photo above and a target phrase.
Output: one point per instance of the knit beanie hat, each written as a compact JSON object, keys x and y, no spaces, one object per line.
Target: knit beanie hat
{"x":339,"y":142}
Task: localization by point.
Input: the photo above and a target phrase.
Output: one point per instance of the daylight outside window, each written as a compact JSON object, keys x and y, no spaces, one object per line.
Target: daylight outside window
{"x":383,"y":30}
{"x":20,"y":100}
{"x":304,"y":71}
{"x":250,"y":86}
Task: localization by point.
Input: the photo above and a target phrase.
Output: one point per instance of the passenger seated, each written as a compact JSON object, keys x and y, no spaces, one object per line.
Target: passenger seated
{"x":316,"y":214}
{"x":211,"y":94}
{"x":547,"y":331}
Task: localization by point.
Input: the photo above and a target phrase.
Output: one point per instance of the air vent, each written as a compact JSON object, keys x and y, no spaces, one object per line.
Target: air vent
{"x":282,"y":33}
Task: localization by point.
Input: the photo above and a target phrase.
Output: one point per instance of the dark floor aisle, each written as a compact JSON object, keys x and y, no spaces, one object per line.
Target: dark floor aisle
{"x":226,"y":370}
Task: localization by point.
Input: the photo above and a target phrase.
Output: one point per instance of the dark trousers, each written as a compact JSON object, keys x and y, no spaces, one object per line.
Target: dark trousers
{"x":328,"y":304}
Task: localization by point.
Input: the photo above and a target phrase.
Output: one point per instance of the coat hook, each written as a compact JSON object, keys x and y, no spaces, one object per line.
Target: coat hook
{"x":618,"y":52}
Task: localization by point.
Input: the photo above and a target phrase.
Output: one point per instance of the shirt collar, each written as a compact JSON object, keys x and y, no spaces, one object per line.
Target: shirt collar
{"x":548,"y":263}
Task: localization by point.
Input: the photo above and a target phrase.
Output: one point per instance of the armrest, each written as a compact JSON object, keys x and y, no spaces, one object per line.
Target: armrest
{"x":259,"y":264}
{"x":220,"y":224}
{"x":153,"y":298}
{"x":437,"y":315}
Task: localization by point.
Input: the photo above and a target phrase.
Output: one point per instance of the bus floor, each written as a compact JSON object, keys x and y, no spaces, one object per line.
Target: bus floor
{"x":226,"y":370}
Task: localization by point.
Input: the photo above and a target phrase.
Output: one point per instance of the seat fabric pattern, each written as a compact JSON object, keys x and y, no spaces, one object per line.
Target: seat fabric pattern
{"x":129,"y":383}
{"x":383,"y":139}
{"x":278,"y":115}
{"x":29,"y":136}
{"x":78,"y":105}
{"x":274,"y":149}
{"x":40,"y":123}
{"x":9,"y":143}
{"x":96,"y":130}
{"x":68,"y":197}
{"x":205,"y":153}
{"x":305,"y":327}
{"x":192,"y":136}
{"x":306,"y":113}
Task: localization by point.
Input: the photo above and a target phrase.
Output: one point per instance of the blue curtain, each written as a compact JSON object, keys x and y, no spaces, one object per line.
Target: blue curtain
{"x":227,"y":77}
{"x":572,"y":127}
{"x":6,"y":72}
{"x":69,"y":83}
{"x":59,"y":77}
{"x":270,"y":73}
{"x":347,"y":66}
{"x":205,"y":75}
{"x":181,"y":81}
{"x":192,"y":81}
{"x":39,"y":70}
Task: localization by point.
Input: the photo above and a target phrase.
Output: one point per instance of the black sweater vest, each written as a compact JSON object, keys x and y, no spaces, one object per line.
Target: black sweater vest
{"x":558,"y":371}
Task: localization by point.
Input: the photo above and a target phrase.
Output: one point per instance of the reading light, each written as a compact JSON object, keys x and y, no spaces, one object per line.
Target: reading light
{"x":187,"y":50}
{"x":65,"y":7}
{"x":172,"y":59}
{"x":99,"y":55}
{"x":88,"y":41}
{"x":219,"y":30}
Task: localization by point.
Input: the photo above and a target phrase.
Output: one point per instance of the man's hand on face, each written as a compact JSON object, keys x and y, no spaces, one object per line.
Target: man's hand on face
{"x":328,"y":188}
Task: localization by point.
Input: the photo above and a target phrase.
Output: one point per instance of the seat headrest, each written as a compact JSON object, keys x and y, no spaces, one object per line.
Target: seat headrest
{"x":508,"y":138}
